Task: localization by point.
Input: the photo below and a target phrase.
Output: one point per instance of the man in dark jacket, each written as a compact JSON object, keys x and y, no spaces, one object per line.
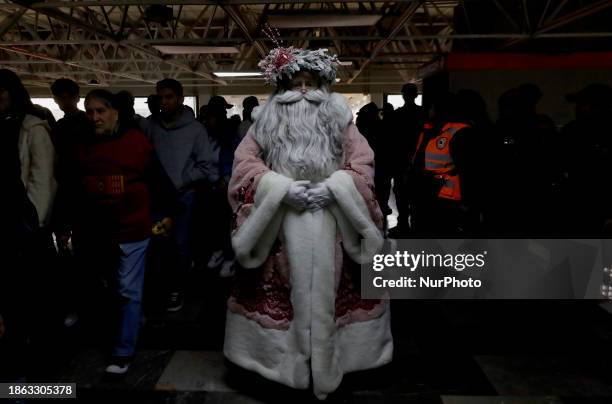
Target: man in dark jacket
{"x":408,"y":123}
{"x":66,"y":134}
{"x":189,"y":157}
{"x":74,"y":123}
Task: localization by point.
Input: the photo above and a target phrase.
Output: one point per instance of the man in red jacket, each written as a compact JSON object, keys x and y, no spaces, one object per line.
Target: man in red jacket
{"x":117,"y":186}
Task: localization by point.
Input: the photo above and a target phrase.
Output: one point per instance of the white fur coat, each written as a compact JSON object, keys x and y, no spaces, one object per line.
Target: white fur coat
{"x":307,"y":320}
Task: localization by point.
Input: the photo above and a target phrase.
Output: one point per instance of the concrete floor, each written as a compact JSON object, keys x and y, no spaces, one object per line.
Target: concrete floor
{"x":452,"y":352}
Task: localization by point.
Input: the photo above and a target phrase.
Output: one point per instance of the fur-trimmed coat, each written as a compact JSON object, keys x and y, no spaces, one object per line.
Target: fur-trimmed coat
{"x":295,"y":313}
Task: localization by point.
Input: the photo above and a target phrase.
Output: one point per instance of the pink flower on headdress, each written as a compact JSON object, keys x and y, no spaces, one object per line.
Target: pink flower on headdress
{"x":283,"y":57}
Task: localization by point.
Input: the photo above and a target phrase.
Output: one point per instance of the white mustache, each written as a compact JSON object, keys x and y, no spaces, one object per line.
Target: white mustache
{"x":292,"y":96}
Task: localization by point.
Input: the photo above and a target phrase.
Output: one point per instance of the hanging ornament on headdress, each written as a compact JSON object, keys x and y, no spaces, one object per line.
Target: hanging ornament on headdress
{"x":273,"y":35}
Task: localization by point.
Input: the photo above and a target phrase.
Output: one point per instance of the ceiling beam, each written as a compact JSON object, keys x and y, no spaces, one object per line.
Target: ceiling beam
{"x":73,"y":4}
{"x":526,"y":16}
{"x":219,"y":41}
{"x":208,"y":25}
{"x":557,"y":10}
{"x":72,"y":64}
{"x":9,"y":21}
{"x":507,"y":15}
{"x":381,"y":56}
{"x":108,"y":21}
{"x":357,"y":85}
{"x":234,"y":13}
{"x":72,"y":21}
{"x":575,"y":15}
{"x":48,"y":75}
{"x":582,"y":12}
{"x":196,"y":21}
{"x":402,"y":72}
{"x":260,"y":23}
{"x":546,"y":7}
{"x":124,"y":18}
{"x":405,"y":38}
{"x":397,"y":26}
{"x":431,"y":27}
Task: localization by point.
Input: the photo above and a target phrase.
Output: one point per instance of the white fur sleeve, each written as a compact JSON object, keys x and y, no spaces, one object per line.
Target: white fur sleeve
{"x":353,"y":218}
{"x":254,"y":239}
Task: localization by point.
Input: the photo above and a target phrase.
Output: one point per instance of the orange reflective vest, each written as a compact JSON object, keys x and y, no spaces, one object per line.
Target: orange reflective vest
{"x":439,"y":161}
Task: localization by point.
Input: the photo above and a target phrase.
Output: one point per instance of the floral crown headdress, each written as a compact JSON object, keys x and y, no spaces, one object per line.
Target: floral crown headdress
{"x":287,"y":61}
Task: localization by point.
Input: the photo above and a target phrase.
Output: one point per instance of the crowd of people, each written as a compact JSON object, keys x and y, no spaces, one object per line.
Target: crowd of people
{"x":105,"y":188}
{"x":455,"y":171}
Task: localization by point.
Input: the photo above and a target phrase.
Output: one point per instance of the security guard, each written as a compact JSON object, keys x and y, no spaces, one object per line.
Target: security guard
{"x":439,"y":161}
{"x":439,"y":204}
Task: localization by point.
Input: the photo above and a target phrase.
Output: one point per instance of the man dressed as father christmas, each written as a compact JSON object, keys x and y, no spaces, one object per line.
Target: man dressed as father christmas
{"x":303,"y":200}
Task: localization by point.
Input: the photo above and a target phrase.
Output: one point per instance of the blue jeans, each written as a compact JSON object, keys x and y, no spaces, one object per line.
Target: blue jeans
{"x":130,"y":279}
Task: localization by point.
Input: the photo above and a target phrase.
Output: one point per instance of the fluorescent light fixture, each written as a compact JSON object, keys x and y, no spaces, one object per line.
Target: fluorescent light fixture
{"x":345,"y":63}
{"x":190,"y":50}
{"x":237,"y":74}
{"x":322,"y":20}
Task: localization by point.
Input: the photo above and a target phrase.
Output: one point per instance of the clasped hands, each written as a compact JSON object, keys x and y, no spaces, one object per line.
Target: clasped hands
{"x":308,"y":195}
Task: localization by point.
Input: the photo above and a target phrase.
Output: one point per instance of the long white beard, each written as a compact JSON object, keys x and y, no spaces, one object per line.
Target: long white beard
{"x":301,"y":134}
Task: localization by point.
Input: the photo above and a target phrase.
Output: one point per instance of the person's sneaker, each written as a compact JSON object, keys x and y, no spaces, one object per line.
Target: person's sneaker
{"x":227,"y":270}
{"x":175,"y":302}
{"x":119,"y":365}
{"x":215,"y":259}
